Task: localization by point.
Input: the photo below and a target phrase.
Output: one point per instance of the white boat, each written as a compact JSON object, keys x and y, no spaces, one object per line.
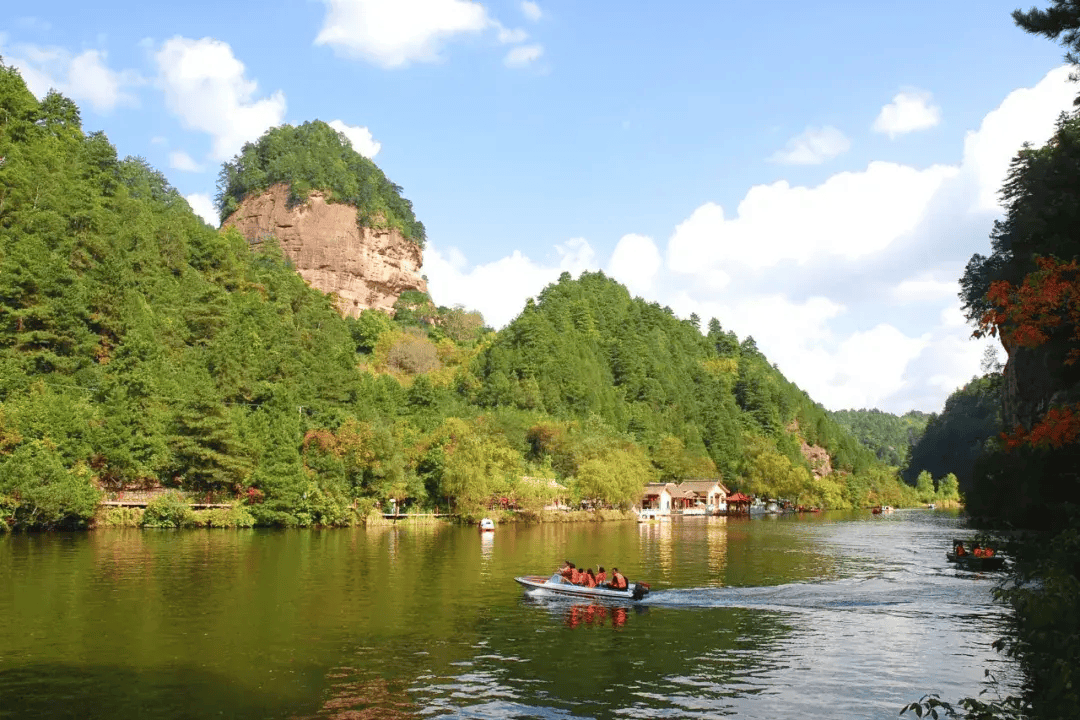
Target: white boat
{"x":487,"y":525}
{"x":557,"y":585}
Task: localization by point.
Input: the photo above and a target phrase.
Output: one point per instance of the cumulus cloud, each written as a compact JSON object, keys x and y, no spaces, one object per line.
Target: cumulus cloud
{"x":523,"y":55}
{"x":909,"y":111}
{"x":849,"y":215}
{"x":635,"y":263}
{"x":359,"y":137}
{"x":531,"y":10}
{"x":499,"y":289}
{"x":848,"y":285}
{"x":85,"y":78}
{"x":1026,"y":115}
{"x":180,"y":160}
{"x":203,"y":207}
{"x":812,"y":147}
{"x":508,"y":36}
{"x":395,"y":34}
{"x":206,"y":87}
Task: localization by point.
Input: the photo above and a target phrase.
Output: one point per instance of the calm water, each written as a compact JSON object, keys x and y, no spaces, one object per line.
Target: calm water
{"x":838,"y":615}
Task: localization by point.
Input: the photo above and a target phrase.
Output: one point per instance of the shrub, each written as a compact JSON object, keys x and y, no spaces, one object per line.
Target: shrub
{"x":171,"y":510}
{"x":236,"y":516}
{"x":115,"y":517}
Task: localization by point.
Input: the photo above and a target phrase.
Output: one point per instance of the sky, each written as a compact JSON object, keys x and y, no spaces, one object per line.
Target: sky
{"x":815,"y":175}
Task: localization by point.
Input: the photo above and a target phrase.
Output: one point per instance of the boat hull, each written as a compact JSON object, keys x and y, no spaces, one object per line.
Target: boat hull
{"x":557,"y":586}
{"x":970,"y":562}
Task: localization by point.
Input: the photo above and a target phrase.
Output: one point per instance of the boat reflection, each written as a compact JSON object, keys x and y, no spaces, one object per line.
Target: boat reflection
{"x":594,"y":614}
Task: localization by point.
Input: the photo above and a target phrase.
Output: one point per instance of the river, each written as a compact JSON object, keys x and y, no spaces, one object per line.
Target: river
{"x":832,"y":615}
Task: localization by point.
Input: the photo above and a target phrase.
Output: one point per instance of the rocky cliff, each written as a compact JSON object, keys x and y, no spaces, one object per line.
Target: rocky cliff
{"x":364,"y":267}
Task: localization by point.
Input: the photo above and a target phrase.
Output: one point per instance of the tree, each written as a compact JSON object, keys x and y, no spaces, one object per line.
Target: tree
{"x":1060,"y":20}
{"x":924,"y":486}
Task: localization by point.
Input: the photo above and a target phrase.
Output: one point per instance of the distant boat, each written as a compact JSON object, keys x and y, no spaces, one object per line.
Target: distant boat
{"x":487,"y":525}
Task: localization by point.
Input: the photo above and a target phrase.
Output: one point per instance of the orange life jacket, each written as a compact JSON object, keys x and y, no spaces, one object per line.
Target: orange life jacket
{"x":619,"y":581}
{"x":588,"y":580}
{"x":601,"y":578}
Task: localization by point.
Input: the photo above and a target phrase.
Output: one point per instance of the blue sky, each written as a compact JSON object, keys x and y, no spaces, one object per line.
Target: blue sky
{"x":813,"y":174}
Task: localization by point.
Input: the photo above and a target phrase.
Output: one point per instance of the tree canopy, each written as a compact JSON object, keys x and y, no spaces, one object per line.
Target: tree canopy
{"x":314,"y":156}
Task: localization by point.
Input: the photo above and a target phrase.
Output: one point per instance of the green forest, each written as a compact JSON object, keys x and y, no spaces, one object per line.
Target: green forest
{"x":140,"y":348}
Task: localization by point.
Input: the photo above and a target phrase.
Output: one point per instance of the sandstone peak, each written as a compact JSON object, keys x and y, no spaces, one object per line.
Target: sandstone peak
{"x":366,"y":268}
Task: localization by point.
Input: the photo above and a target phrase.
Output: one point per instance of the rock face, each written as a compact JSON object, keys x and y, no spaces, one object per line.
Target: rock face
{"x":1036,"y":379}
{"x":364,"y":267}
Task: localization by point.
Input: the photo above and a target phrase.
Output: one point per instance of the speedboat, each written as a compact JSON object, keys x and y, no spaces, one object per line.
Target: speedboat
{"x":557,"y":585}
{"x":487,"y":525}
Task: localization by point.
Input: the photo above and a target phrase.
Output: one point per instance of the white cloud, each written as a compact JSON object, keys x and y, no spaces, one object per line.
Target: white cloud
{"x":523,"y":55}
{"x":206,"y":87}
{"x":508,"y":37}
{"x":499,"y":289}
{"x":849,"y":285}
{"x":203,"y":207}
{"x":812,"y":147}
{"x":1026,"y":115}
{"x":531,"y":10}
{"x":359,"y":137}
{"x":909,"y":111}
{"x":85,"y":78}
{"x":395,"y":34}
{"x":849,"y":215}
{"x":925,"y":288}
{"x":635,"y":263}
{"x":180,"y":160}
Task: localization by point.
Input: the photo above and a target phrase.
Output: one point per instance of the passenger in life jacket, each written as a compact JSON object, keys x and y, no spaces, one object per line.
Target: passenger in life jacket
{"x":988,"y":552}
{"x":576,"y":576}
{"x":588,"y":579}
{"x":567,"y":571}
{"x":601,"y":576}
{"x":960,"y":551}
{"x":977,"y":551}
{"x":618,"y":582}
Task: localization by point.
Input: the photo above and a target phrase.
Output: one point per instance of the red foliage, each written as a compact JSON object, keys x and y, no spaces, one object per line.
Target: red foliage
{"x":1026,"y":316}
{"x":1059,"y":427}
{"x":1047,"y":303}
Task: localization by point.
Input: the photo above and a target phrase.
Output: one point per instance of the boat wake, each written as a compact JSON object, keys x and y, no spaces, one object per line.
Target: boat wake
{"x":862,"y":595}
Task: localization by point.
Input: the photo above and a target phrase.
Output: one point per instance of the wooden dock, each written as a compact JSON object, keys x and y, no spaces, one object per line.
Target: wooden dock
{"x":144,"y":503}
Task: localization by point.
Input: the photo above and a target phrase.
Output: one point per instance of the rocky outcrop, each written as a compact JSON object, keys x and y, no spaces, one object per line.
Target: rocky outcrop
{"x":1035,"y":380}
{"x":364,"y":267}
{"x":818,"y":457}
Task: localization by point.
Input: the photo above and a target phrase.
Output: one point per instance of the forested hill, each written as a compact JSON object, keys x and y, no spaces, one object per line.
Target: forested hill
{"x":889,"y":436}
{"x":586,"y":348}
{"x":141,"y":348}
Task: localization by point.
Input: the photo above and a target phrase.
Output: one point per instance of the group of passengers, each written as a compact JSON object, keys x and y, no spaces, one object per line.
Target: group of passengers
{"x":976,"y":551}
{"x":587,"y":578}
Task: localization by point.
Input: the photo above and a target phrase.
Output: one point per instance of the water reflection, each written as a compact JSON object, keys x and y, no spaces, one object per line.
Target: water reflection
{"x":791,"y":618}
{"x":657,"y":543}
{"x":716,"y":537}
{"x":594,"y":614}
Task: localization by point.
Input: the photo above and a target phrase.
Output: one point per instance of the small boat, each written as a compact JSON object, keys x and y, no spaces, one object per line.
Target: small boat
{"x":486,"y":525}
{"x":558,"y":586}
{"x":976,"y":563}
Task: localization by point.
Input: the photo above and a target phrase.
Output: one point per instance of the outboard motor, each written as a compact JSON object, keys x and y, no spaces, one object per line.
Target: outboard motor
{"x":640,"y":590}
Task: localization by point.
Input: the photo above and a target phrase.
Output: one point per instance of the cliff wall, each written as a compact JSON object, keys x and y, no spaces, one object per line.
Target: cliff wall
{"x":364,"y":267}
